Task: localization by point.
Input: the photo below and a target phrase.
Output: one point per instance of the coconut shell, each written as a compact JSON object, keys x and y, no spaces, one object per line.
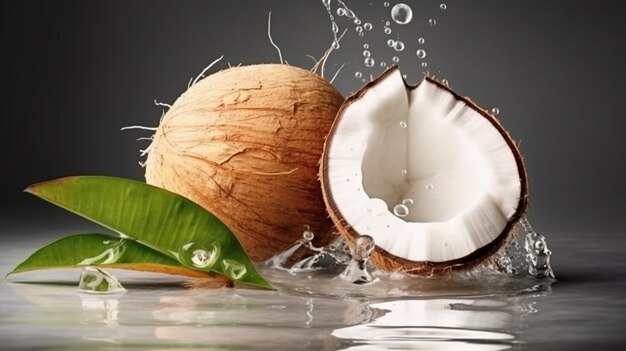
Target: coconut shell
{"x":245,"y":144}
{"x":389,"y":262}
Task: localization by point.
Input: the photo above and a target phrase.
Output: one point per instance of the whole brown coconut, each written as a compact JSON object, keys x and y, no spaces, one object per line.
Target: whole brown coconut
{"x":245,"y":143}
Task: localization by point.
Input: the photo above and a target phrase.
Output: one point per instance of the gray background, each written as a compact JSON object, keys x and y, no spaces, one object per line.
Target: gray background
{"x":74,"y":72}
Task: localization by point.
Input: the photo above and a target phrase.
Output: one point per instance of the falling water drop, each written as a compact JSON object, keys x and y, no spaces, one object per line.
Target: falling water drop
{"x":341,"y":11}
{"x":367,"y":53}
{"x":398,"y":45}
{"x":387,"y":30}
{"x":401,"y":13}
{"x":367,"y":26}
{"x":366,"y":46}
{"x":495,"y":111}
{"x":443,"y":6}
{"x":369,"y":62}
{"x":358,"y":74}
{"x":383,"y":64}
{"x":403,"y":124}
{"x":421,"y":53}
{"x":424,"y":64}
{"x":432,"y":22}
{"x":421,"y":40}
{"x":359,"y":29}
{"x":391,"y":43}
{"x":395,"y":59}
{"x":386,"y":3}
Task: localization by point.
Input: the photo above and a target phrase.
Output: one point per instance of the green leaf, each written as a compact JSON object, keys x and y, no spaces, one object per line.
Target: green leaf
{"x":157,"y":218}
{"x":103,"y":251}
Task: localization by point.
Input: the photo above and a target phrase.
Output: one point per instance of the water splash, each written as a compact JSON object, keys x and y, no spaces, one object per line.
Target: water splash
{"x":531,"y":259}
{"x":357,"y":270}
{"x":95,"y":280}
{"x":537,"y":252}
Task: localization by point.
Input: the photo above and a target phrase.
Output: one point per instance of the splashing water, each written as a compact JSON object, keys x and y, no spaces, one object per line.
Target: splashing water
{"x":98,"y":281}
{"x":512,"y":267}
{"x":357,"y":270}
{"x":537,"y":252}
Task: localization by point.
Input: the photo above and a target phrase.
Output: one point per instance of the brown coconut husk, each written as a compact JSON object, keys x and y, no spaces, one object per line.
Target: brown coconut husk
{"x":245,"y":144}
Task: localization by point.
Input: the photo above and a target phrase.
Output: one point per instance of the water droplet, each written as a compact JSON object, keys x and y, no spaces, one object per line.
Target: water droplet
{"x":421,"y":40}
{"x":367,"y":26}
{"x":421,"y":53}
{"x":432,"y":22}
{"x":443,"y":6}
{"x":326,"y":3}
{"x":424,"y":64}
{"x":407,"y":202}
{"x":445,"y":82}
{"x":358,"y":74}
{"x":495,"y":111}
{"x":390,"y":42}
{"x":98,"y":281}
{"x":401,"y":13}
{"x":386,"y":3}
{"x":361,"y":34}
{"x":199,"y":256}
{"x":398,"y":46}
{"x":387,"y":23}
{"x":306,"y":227}
{"x":366,"y":46}
{"x":335,"y":44}
{"x":233,"y":269}
{"x":308,"y":235}
{"x":403,"y":124}
{"x":404,"y":172}
{"x":383,"y":64}
{"x":377,"y":207}
{"x":401,"y":210}
{"x":429,"y":187}
{"x":369,"y":62}
{"x":404,"y":76}
{"x":367,"y":53}
{"x":341,"y":12}
{"x":358,"y":29}
{"x":387,"y":30}
{"x":335,"y":28}
{"x":363,"y":247}
{"x":357,"y":21}
{"x":396,"y":59}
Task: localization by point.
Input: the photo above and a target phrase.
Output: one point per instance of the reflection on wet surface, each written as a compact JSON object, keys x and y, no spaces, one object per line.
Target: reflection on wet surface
{"x":305,"y":313}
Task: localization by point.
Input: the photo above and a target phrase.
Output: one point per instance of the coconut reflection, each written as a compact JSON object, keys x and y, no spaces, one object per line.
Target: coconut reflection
{"x":482,"y":323}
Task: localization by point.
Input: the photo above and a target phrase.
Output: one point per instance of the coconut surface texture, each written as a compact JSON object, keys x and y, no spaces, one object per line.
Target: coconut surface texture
{"x":434,"y":179}
{"x":245,"y":144}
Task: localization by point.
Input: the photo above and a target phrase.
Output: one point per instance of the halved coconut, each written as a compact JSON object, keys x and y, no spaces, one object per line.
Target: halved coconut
{"x":433,"y":178}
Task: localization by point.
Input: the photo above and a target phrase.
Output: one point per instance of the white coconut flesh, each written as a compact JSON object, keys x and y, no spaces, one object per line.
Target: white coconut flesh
{"x":425,"y":149}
